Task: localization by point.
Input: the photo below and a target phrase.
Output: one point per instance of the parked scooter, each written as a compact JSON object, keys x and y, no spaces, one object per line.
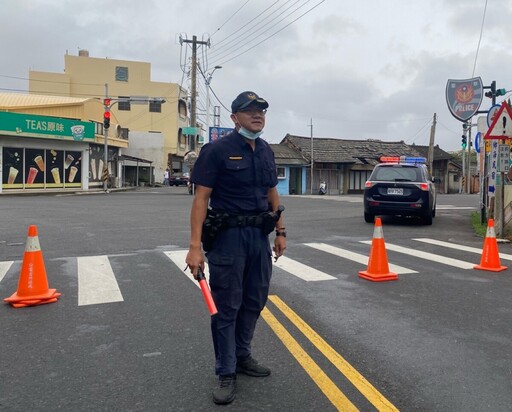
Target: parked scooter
{"x":323,"y":188}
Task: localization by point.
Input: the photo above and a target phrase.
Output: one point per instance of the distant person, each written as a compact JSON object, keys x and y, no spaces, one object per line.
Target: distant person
{"x":235,"y":187}
{"x":166,"y":177}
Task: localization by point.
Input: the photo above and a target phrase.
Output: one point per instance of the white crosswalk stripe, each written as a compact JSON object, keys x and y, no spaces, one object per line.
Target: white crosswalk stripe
{"x":356,"y":257}
{"x":425,"y":255}
{"x":96,"y":281}
{"x":293,"y":267}
{"x":301,"y":271}
{"x":4,"y":267}
{"x":459,"y":247}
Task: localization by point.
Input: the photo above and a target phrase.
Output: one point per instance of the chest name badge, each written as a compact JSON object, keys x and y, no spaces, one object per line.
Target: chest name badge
{"x":235,"y":157}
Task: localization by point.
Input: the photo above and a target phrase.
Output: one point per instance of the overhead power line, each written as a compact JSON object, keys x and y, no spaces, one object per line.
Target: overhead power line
{"x":229,"y":18}
{"x":244,"y":26}
{"x":252,"y":31}
{"x":268,"y":37}
{"x":480,"y":38}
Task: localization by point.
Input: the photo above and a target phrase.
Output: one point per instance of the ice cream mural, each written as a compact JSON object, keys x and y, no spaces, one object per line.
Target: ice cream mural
{"x":28,"y":168}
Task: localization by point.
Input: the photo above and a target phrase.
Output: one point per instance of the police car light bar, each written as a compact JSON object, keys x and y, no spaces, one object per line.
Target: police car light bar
{"x":402,"y":159}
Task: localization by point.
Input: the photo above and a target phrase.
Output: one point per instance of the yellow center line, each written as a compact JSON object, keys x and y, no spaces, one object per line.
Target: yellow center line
{"x":358,"y":380}
{"x":327,"y":386}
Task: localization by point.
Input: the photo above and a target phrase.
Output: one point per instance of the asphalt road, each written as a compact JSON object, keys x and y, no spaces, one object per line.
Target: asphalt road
{"x":438,"y":339}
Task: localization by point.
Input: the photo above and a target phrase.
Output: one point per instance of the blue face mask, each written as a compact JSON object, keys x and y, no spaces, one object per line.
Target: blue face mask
{"x":249,"y":135}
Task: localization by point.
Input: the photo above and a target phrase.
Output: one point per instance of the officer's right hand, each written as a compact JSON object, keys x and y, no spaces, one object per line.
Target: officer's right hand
{"x":194,"y":260}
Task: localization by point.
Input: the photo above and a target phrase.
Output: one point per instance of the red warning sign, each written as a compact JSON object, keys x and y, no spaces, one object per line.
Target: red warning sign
{"x":501,"y":126}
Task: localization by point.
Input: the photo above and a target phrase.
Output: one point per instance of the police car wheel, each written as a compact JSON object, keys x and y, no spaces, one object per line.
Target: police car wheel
{"x":369,"y":218}
{"x":427,"y":219}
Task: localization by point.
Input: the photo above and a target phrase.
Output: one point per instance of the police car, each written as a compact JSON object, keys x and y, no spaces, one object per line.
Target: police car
{"x":400,"y":186}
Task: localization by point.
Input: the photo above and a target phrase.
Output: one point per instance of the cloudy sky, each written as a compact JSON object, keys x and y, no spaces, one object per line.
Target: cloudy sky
{"x":360,"y":70}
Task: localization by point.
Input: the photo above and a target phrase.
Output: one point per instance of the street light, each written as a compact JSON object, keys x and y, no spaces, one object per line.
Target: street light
{"x":207,"y":80}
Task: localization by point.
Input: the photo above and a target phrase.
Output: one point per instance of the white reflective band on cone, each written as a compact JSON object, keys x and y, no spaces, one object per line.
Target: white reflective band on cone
{"x":377,"y":233}
{"x":33,"y":244}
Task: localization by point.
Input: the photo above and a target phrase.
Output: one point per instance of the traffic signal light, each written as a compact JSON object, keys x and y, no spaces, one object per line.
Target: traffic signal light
{"x":501,"y":92}
{"x":464,"y":141}
{"x":106,"y":119}
{"x":492,"y":93}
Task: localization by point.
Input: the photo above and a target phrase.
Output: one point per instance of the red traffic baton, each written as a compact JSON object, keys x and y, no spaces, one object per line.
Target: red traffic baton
{"x":206,"y":292}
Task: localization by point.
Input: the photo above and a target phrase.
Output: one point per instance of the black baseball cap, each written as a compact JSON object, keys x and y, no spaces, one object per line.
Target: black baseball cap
{"x":246,"y":99}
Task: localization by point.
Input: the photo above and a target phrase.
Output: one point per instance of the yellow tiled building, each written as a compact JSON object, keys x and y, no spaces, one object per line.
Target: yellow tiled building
{"x":85,"y":77}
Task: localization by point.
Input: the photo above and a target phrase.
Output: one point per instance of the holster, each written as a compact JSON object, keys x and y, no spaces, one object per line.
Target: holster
{"x":212,"y":225}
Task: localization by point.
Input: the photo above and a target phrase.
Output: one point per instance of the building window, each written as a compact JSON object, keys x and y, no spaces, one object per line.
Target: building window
{"x":358,"y":179}
{"x":182,"y":109}
{"x":281,"y":172}
{"x":124,"y":103}
{"x":121,"y":74}
{"x":155,"y":106}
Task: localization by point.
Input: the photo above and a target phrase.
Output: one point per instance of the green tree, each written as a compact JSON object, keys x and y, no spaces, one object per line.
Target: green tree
{"x":457,"y":155}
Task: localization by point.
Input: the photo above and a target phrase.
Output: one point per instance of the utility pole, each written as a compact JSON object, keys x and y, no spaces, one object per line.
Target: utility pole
{"x":208,"y":80}
{"x":468,"y":178}
{"x":193,"y":89}
{"x":105,"y":137}
{"x":311,"y":134}
{"x":431,"y":146}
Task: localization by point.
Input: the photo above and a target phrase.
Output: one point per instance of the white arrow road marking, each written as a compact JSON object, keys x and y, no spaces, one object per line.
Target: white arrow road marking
{"x":425,"y":255}
{"x":356,"y":257}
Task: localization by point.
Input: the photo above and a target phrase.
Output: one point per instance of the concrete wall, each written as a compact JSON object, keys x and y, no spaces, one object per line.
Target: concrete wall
{"x":148,"y":146}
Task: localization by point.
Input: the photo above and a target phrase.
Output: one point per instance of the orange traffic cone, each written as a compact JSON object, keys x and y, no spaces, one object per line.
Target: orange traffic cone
{"x":378,"y":267}
{"x":490,"y":255}
{"x":33,"y":284}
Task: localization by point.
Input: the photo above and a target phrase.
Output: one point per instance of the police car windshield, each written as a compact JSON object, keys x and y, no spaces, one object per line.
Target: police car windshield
{"x":396,"y":173}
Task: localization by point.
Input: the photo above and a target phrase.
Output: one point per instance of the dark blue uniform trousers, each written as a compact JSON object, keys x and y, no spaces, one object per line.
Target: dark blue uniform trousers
{"x":240,"y":265}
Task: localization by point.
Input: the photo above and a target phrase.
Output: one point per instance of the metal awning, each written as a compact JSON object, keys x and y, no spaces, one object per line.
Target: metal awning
{"x":134,"y":159}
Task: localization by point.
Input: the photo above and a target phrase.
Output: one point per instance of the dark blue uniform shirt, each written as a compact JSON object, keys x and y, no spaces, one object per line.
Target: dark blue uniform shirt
{"x":239,"y":176}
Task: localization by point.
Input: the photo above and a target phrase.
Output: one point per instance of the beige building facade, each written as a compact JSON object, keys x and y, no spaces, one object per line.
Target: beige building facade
{"x":130,"y":81}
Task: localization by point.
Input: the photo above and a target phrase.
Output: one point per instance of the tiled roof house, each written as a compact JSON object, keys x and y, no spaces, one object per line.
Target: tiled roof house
{"x":346,"y":164}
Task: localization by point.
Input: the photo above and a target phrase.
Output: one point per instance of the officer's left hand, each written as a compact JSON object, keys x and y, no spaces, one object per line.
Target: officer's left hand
{"x":279,"y":246}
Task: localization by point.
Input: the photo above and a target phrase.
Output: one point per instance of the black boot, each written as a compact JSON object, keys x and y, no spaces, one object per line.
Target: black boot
{"x":251,"y":367}
{"x":224,"y":393}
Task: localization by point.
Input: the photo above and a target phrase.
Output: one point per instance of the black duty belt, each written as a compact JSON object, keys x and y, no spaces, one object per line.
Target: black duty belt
{"x":242,"y":220}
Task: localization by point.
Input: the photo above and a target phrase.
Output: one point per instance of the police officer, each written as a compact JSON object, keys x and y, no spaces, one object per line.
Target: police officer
{"x":236,"y":176}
